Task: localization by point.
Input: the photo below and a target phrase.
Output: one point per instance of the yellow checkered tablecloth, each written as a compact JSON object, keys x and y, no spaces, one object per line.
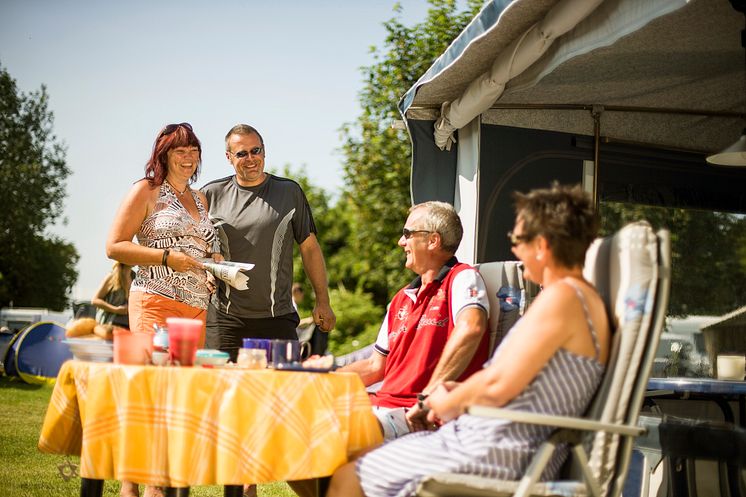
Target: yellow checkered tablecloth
{"x":197,"y":426}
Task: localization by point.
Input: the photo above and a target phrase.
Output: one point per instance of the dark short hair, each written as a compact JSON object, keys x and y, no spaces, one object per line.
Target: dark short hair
{"x":242,"y":129}
{"x":156,"y":168}
{"x":564,"y":215}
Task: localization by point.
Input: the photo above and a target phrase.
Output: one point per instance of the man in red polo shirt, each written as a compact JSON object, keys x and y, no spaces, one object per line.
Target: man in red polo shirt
{"x":434,"y":329}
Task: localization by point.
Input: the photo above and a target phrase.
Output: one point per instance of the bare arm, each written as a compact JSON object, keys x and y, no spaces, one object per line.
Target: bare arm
{"x":553,"y":321}
{"x":370,"y":369}
{"x":313,"y":263}
{"x":465,"y":338}
{"x":467,"y":333}
{"x":98,"y":299}
{"x":137,"y":205}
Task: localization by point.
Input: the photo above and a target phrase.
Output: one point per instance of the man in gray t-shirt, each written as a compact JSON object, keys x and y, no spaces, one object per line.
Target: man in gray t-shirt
{"x":258,"y":217}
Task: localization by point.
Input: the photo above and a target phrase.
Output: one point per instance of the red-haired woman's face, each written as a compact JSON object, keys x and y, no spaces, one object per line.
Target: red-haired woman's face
{"x":182,"y":162}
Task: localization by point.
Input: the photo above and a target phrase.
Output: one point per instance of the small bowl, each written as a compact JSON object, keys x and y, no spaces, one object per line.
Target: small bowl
{"x":211,"y":357}
{"x":159,"y":358}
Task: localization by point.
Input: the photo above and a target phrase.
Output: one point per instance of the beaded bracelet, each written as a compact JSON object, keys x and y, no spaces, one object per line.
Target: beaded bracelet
{"x":164,"y":259}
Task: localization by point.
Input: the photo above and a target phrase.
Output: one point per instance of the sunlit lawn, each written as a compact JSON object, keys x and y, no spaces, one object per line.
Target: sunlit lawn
{"x":26,"y":472}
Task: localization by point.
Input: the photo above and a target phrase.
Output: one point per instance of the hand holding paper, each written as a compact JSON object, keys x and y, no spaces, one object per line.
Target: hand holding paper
{"x":233,"y":273}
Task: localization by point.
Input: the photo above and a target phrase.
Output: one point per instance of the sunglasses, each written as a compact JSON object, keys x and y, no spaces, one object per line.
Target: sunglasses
{"x":173,"y":127}
{"x":516,"y":240}
{"x":408,"y":233}
{"x":245,"y":153}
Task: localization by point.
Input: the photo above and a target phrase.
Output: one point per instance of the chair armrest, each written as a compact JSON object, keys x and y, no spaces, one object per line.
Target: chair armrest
{"x":556,"y":421}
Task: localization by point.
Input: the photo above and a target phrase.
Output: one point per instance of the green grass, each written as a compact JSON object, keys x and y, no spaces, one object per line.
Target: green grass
{"x":26,"y":472}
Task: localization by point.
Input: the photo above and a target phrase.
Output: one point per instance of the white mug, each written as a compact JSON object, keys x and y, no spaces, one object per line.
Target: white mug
{"x":731,"y":367}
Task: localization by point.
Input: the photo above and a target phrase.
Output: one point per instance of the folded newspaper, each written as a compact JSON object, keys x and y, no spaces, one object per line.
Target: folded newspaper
{"x":233,"y":273}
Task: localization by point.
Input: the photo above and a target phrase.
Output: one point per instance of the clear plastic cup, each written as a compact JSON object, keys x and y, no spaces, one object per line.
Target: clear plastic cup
{"x":184,"y":338}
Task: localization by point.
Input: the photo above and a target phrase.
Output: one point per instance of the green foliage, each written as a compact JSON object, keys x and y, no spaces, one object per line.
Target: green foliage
{"x":359,"y":232}
{"x":377,"y":158}
{"x":358,"y":320}
{"x":32,"y":185}
{"x":707,"y":255}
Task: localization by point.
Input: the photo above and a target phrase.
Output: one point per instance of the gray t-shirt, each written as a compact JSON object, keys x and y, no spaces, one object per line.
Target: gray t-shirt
{"x":258,"y":225}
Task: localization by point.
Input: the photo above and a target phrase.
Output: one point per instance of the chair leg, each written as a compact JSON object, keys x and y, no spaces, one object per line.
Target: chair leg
{"x":91,"y":488}
{"x":590,"y":479}
{"x":534,"y":470}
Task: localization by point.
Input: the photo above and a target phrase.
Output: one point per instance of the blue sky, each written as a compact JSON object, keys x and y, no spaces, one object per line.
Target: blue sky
{"x":116,"y":72}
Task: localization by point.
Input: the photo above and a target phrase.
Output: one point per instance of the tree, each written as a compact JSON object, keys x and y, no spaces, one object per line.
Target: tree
{"x":35,"y":270}
{"x":378,"y":158}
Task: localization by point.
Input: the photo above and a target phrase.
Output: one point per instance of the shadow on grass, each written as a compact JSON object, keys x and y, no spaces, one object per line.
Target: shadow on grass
{"x":17,"y":383}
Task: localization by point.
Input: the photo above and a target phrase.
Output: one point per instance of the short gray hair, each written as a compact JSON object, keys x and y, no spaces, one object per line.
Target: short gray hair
{"x":242,"y":129}
{"x":442,"y":218}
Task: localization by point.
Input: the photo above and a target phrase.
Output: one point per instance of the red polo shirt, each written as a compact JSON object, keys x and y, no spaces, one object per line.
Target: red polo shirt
{"x":417,"y":327}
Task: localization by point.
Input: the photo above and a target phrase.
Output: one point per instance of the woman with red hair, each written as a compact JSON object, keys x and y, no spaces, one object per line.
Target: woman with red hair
{"x":173,"y":234}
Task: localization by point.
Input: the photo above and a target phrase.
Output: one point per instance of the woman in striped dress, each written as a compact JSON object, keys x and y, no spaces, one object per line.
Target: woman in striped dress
{"x":551,"y":362}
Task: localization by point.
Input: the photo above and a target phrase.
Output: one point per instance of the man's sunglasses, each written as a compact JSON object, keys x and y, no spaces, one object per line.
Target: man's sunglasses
{"x":242,"y":154}
{"x":173,"y":127}
{"x":516,"y":240}
{"x":408,"y":233}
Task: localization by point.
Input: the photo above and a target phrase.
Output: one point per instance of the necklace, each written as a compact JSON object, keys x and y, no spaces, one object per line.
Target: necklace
{"x":176,"y":190}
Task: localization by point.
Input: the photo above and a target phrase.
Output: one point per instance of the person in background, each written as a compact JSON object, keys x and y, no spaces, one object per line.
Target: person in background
{"x":259,"y":216}
{"x":434,"y":329}
{"x":551,"y":362}
{"x":173,"y":234}
{"x":112,"y":296}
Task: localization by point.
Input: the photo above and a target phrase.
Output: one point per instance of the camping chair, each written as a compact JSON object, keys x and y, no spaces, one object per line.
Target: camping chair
{"x":631,"y":271}
{"x":509,"y":296}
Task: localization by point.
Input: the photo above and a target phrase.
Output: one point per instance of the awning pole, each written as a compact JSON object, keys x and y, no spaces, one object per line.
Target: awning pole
{"x":596,"y":113}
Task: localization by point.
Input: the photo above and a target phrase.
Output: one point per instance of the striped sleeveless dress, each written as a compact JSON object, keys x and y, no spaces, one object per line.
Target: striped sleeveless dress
{"x":489,"y":447}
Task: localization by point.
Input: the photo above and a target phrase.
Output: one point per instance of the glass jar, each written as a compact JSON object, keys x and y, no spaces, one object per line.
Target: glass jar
{"x":252,"y":358}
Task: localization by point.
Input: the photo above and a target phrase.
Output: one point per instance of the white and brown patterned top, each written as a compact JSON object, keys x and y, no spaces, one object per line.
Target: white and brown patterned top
{"x":170,"y":226}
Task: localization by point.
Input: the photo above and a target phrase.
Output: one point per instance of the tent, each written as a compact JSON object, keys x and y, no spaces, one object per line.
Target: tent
{"x":627,"y":97}
{"x":36,"y":353}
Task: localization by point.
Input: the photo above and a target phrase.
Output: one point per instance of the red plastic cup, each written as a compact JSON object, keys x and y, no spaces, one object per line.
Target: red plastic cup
{"x":132,"y":348}
{"x":184,"y":337}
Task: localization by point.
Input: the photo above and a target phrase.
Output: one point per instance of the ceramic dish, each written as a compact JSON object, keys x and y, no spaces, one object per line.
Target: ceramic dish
{"x":211,"y":357}
{"x":91,"y":350}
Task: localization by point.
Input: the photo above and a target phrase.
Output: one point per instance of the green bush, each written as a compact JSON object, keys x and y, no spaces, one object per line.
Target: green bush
{"x":358,"y":320}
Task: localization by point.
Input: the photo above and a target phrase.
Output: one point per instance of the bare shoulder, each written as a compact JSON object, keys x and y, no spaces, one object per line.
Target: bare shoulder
{"x":556,"y":297}
{"x":142,"y":190}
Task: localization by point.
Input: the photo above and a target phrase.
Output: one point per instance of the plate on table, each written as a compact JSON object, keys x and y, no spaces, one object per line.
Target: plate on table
{"x":300,"y":367}
{"x":91,"y":350}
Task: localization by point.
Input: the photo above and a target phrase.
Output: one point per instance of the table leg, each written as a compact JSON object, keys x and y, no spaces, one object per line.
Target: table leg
{"x":176,"y":492}
{"x":91,"y":488}
{"x":322,"y":485}
{"x":233,"y":491}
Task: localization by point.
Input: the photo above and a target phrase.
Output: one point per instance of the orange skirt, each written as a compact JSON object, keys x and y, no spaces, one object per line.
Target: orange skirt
{"x":147,"y":309}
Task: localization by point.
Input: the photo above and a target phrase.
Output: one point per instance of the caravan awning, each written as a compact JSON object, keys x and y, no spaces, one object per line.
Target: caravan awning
{"x":666,"y":73}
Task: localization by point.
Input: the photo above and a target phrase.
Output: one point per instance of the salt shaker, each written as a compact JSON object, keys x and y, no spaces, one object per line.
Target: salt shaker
{"x":160,"y":339}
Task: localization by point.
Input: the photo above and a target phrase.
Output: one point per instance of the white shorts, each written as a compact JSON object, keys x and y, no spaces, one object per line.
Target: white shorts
{"x":392,"y":420}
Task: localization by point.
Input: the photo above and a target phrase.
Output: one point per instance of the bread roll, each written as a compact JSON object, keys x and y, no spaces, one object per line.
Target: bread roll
{"x":105,"y":331}
{"x":80,"y":327}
